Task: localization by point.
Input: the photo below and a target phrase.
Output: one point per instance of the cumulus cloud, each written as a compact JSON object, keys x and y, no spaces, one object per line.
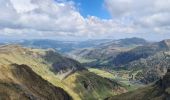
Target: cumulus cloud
{"x":146,"y":14}
{"x":51,"y":18}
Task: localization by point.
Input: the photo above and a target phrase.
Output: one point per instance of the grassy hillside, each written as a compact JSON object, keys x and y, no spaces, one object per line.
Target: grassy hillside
{"x":74,"y":80}
{"x":16,"y":54}
{"x":20,"y":82}
{"x":102,"y":73}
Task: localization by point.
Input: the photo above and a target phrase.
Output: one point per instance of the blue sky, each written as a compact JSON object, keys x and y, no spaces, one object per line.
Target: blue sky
{"x":93,"y":8}
{"x":85,"y":19}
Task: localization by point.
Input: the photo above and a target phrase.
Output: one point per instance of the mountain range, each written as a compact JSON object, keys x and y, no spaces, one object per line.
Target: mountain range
{"x":131,"y":69}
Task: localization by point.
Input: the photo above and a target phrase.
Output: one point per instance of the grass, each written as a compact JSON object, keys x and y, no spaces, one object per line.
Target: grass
{"x":84,"y":60}
{"x":102,"y":73}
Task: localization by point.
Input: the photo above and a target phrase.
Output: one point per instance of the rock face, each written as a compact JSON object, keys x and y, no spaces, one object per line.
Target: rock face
{"x":19,"y":82}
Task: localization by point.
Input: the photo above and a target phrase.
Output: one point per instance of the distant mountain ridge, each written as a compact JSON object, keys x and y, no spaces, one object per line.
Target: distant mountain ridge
{"x":104,"y":54}
{"x":141,"y":61}
{"x":61,"y":46}
{"x":67,"y":46}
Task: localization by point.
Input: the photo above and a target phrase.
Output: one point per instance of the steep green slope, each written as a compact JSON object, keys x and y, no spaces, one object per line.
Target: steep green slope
{"x":20,"y":82}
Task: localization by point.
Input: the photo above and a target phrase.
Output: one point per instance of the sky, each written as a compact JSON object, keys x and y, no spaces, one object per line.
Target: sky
{"x":92,"y":8}
{"x":85,"y":19}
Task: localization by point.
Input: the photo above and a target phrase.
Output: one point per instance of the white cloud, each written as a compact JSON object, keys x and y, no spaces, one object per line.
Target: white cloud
{"x":50,"y":18}
{"x":8,"y":14}
{"x":150,"y":15}
{"x":23,"y":5}
{"x":136,"y":7}
{"x":119,"y":7}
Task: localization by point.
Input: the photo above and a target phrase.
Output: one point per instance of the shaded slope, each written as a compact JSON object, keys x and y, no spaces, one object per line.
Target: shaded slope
{"x":61,"y":64}
{"x":20,"y":82}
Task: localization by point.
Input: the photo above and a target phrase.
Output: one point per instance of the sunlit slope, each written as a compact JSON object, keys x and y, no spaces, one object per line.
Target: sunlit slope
{"x":15,"y":54}
{"x":102,"y":73}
